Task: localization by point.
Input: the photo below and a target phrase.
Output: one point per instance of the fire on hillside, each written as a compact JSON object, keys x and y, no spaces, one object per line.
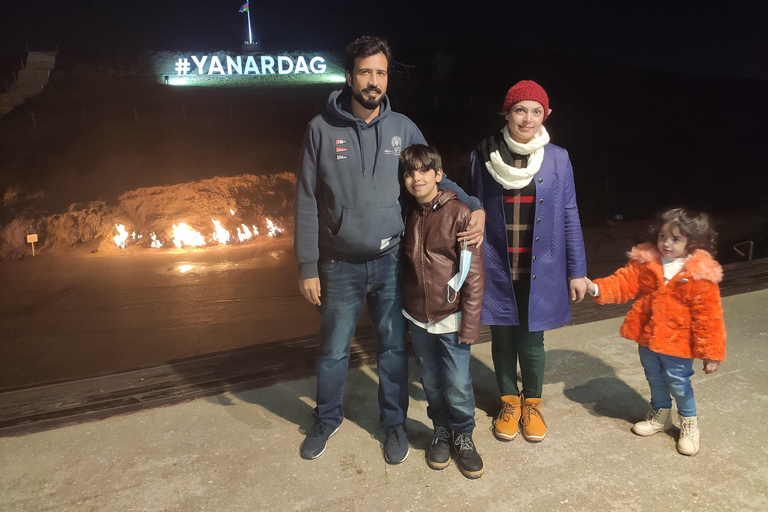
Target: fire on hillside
{"x":205,"y":213}
{"x":182,"y":235}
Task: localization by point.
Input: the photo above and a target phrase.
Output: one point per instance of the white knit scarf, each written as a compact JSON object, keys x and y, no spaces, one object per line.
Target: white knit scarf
{"x":509,"y":176}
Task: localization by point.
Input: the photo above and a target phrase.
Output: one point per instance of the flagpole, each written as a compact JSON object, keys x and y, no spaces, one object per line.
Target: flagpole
{"x":250,"y":36}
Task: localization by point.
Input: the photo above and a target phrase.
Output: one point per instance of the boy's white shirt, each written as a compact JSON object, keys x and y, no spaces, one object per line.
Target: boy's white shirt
{"x":449,"y":324}
{"x":670,"y":267}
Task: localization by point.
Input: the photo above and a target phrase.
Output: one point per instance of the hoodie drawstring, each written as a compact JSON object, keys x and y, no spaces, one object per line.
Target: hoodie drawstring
{"x":377,"y":131}
{"x":378,"y":146}
{"x":362,"y":150}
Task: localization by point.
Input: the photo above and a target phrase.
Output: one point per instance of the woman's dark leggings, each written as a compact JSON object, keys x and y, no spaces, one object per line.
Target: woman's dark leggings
{"x":510,"y":343}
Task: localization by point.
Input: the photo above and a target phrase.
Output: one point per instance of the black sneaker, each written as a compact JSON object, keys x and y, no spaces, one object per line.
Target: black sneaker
{"x":439,"y":453}
{"x":314,"y":444}
{"x":469,"y":461}
{"x":396,"y":447}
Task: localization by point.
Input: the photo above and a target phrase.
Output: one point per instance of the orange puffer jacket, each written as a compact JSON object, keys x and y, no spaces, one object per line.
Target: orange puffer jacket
{"x":682,"y":318}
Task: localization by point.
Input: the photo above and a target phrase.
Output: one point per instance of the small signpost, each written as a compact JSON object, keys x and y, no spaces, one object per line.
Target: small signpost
{"x":31,"y":239}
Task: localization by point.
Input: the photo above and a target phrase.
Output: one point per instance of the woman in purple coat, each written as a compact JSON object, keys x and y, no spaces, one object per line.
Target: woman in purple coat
{"x":534,"y":251}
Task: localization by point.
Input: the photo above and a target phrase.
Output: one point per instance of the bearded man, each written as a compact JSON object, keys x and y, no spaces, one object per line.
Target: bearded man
{"x":348,"y":226}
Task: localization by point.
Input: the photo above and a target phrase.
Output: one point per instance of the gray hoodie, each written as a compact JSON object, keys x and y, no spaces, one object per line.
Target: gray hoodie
{"x":347,"y":196}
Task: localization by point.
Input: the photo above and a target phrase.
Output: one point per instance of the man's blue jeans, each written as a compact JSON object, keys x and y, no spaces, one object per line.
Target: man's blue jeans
{"x":669,"y":376}
{"x":344,"y":289}
{"x":444,"y":366}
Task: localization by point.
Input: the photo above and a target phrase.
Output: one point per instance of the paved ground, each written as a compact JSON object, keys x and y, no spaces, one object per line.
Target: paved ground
{"x":240,"y":451}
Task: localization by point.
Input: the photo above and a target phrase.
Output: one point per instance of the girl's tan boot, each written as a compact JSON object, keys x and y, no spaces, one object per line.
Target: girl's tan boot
{"x":688,"y":442}
{"x":653,"y":423}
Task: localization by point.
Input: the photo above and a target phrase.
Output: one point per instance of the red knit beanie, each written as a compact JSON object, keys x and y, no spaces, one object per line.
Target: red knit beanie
{"x":526,"y":90}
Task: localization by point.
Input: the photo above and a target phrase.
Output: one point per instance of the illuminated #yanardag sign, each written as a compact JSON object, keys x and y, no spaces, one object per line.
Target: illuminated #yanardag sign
{"x":222,"y":68}
{"x":265,"y":65}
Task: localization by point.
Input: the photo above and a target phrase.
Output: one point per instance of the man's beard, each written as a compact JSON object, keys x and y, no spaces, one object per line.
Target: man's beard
{"x":368,"y":103}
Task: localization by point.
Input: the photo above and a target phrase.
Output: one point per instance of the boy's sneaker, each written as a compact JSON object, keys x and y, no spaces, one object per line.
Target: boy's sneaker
{"x":467,"y":458}
{"x":653,"y":424}
{"x":396,"y":447}
{"x":439,"y":453}
{"x":314,"y":444}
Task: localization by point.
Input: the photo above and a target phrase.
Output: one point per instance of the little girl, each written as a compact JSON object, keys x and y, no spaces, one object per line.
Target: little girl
{"x":676,"y":318}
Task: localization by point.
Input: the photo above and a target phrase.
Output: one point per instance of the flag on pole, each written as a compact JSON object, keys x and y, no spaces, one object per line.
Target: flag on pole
{"x":244,"y":7}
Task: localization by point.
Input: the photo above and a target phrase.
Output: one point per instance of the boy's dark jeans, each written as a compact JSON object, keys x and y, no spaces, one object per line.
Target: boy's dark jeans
{"x":444,"y":366}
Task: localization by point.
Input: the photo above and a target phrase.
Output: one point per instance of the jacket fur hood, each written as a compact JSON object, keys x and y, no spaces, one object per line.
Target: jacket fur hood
{"x":701,"y":264}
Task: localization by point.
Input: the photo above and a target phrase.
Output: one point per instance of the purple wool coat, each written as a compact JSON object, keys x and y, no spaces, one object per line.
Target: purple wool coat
{"x":558,"y":247}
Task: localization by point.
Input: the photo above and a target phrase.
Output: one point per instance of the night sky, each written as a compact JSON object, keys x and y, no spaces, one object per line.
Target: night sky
{"x":717,"y":38}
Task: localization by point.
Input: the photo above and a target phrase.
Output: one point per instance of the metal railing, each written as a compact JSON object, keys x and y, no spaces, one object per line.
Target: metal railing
{"x":751,"y":245}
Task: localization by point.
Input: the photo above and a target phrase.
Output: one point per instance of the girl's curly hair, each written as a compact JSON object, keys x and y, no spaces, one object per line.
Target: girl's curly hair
{"x":695,"y":226}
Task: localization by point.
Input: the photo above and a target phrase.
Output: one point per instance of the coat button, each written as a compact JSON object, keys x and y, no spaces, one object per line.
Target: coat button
{"x":541,"y":201}
{"x":533,"y":278}
{"x":537,"y":239}
{"x":534,"y":258}
{"x":538,"y":220}
{"x":541,"y":180}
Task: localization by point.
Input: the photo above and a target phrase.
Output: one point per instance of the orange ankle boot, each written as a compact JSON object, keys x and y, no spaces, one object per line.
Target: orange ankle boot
{"x":534,"y":428}
{"x":506,"y":425}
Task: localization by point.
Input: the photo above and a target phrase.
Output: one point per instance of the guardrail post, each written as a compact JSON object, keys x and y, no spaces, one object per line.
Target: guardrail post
{"x":751,"y":245}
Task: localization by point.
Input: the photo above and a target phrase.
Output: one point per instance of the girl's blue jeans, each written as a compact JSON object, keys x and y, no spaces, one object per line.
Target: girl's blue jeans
{"x":669,"y":376}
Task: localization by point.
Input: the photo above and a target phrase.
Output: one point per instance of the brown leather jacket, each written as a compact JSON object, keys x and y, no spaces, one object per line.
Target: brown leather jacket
{"x":431,"y":253}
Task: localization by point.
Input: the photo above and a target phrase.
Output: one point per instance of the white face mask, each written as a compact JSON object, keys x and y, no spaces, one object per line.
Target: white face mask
{"x":465,"y":259}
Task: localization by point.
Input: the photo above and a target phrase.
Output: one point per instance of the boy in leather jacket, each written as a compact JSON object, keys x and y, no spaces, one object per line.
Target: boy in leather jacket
{"x":442,"y":297}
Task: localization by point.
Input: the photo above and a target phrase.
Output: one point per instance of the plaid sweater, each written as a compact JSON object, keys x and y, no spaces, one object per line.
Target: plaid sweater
{"x":519,"y":213}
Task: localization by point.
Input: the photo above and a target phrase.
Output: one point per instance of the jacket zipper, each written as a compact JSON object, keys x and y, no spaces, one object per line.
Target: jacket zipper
{"x":422,"y":255}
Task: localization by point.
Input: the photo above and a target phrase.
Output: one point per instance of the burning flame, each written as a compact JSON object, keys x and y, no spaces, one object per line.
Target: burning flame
{"x":184,"y":235}
{"x":121,"y":236}
{"x":220,"y":234}
{"x":273,"y":229}
{"x":243,"y":234}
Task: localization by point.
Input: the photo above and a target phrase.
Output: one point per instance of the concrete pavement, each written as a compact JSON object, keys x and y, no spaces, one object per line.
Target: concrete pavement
{"x":240,"y":451}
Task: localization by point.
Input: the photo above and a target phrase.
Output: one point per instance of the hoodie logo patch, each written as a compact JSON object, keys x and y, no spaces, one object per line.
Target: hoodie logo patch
{"x":340,"y":149}
{"x":397,"y":144}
